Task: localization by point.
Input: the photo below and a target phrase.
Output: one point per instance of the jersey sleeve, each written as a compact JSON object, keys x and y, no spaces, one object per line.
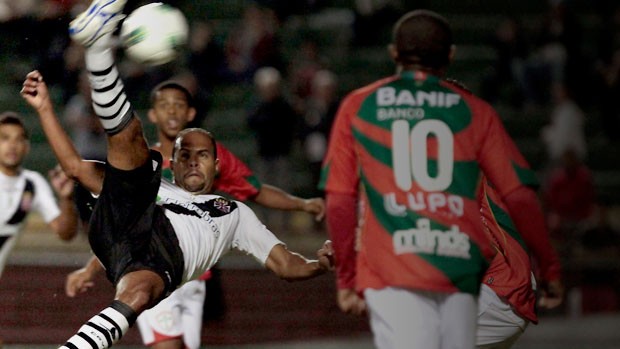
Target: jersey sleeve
{"x":499,"y":157}
{"x":252,"y":237}
{"x":235,"y":177}
{"x":340,"y":180}
{"x":44,"y":200}
{"x":339,"y":173}
{"x":512,"y":178}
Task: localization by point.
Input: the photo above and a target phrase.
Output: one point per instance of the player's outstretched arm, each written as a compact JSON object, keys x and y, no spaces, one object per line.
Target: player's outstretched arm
{"x":88,"y":173}
{"x":292,"y":266}
{"x":530,"y":221}
{"x":79,"y":281}
{"x":274,"y":197}
{"x":236,"y":178}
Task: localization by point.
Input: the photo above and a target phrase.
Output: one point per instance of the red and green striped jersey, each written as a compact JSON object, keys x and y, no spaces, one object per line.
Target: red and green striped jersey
{"x":510,"y":274}
{"x":414,"y":149}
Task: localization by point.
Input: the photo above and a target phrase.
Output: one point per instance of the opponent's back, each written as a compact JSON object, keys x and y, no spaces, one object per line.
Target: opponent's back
{"x":417,"y":146}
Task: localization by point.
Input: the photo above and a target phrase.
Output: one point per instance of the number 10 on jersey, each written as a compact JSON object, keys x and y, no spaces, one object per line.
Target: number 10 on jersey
{"x":410,"y":154}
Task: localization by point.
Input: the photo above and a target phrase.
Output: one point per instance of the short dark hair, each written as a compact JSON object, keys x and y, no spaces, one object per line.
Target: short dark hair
{"x":423,"y":37}
{"x":194,"y":129}
{"x":12,"y":118}
{"x":173,"y":85}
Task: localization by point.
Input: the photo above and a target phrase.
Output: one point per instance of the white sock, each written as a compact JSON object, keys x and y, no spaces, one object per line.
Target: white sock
{"x":104,"y":329}
{"x":107,"y":90}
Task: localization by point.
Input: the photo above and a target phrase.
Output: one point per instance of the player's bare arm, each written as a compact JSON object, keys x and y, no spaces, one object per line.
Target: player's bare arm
{"x":292,"y":266}
{"x":88,"y":173}
{"x":274,"y":197}
{"x":79,"y":281}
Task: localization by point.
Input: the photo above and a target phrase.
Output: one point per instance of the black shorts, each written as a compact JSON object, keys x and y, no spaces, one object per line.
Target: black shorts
{"x":129,"y":232}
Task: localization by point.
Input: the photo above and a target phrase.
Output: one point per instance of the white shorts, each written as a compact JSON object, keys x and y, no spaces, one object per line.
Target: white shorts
{"x":403,"y":319}
{"x":178,"y":316}
{"x":499,"y":326}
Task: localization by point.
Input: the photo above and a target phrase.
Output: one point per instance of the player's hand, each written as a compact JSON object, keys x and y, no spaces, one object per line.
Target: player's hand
{"x":315,"y":206}
{"x":63,"y":185}
{"x":34,"y":91}
{"x":78,"y":282}
{"x":552,"y":294}
{"x":350,"y":302}
{"x":326,"y":256}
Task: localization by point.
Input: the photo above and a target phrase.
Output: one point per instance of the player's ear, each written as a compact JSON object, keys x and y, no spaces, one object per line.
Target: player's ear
{"x":217,"y":166}
{"x":151,"y":115}
{"x":452,"y":54}
{"x":191,"y":114}
{"x":393,"y":52}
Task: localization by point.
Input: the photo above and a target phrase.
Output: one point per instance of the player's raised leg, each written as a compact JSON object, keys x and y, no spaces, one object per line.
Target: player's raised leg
{"x":94,"y":28}
{"x":127,"y":150}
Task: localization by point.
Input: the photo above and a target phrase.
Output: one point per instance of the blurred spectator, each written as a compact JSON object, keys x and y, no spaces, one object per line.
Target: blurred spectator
{"x":207,"y":63}
{"x":73,"y":68}
{"x":283,"y":9}
{"x":608,"y":69}
{"x":36,"y":31}
{"x":511,"y":47}
{"x":569,"y":197}
{"x":608,"y":98}
{"x":557,"y":56}
{"x":84,"y":126}
{"x":252,"y":44}
{"x":373,"y":20}
{"x":320,"y":110}
{"x":600,"y":247}
{"x":49,"y":37}
{"x":565,"y":130}
{"x":274,"y":123}
{"x":305,"y":63}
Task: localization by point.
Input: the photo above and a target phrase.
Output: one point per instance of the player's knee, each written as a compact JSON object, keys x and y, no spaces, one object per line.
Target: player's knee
{"x":131,"y":130}
{"x":140,"y":290}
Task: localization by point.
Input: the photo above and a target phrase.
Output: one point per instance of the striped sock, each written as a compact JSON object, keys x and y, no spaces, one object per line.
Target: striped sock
{"x":104,"y":329}
{"x":107,"y":90}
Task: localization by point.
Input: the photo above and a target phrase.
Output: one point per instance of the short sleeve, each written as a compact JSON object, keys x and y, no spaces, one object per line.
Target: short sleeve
{"x":252,"y":237}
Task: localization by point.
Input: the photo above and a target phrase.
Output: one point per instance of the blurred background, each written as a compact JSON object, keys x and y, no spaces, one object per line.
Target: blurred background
{"x":550,"y":68}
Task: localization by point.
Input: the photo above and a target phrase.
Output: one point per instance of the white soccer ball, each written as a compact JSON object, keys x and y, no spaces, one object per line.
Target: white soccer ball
{"x":154,"y":34}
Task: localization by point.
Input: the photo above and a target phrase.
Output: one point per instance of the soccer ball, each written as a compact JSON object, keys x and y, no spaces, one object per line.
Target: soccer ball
{"x":154,"y":34}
